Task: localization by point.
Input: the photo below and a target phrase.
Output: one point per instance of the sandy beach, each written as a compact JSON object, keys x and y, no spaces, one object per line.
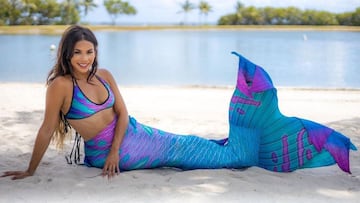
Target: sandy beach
{"x":185,"y":110}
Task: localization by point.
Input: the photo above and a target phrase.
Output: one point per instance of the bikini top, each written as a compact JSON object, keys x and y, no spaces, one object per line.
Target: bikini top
{"x":82,"y":107}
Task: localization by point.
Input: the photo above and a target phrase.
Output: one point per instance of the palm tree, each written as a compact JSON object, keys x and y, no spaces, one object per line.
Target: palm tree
{"x":186,"y":8}
{"x":128,"y":9}
{"x":69,"y":12}
{"x":239,"y":6}
{"x":204,"y":8}
{"x":88,"y":6}
{"x":118,"y":7}
{"x":239,"y":9}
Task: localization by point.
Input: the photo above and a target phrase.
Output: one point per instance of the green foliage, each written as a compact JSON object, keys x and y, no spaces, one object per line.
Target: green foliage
{"x":349,"y":18}
{"x":251,"y":16}
{"x":48,"y":12}
{"x":69,"y":12}
{"x":42,"y":12}
{"x":345,"y":18}
{"x":287,"y":16}
{"x":205,"y":8}
{"x":186,"y":8}
{"x":312,"y":17}
{"x":356,"y":17}
{"x":118,"y":7}
{"x":293,"y":16}
{"x":14,"y":8}
{"x":230,"y":19}
{"x":38,"y":12}
{"x":4,"y":12}
{"x":88,"y":6}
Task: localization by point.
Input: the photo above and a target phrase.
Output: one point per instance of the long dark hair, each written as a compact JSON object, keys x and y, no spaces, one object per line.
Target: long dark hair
{"x":63,"y":67}
{"x":65,"y":52}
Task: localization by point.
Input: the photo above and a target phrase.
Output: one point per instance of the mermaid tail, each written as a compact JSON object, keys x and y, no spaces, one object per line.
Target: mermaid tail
{"x":259,"y":135}
{"x":286,"y":143}
{"x":147,"y":147}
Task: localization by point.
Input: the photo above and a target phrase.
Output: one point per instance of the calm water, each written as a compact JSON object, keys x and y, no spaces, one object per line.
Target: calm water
{"x":325,"y":59}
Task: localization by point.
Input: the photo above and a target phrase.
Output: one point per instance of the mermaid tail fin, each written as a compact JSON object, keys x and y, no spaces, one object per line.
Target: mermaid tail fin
{"x":330,"y":141}
{"x":286,"y":143}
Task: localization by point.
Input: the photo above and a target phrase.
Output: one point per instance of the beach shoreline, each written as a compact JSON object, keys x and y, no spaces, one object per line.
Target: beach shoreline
{"x":185,"y":110}
{"x":58,"y":29}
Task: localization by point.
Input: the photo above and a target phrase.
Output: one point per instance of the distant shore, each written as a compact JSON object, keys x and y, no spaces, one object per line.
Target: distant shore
{"x":58,"y":29}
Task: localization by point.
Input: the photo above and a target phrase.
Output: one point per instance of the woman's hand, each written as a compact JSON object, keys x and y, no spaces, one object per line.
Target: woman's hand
{"x":16,"y":174}
{"x":111,"y":167}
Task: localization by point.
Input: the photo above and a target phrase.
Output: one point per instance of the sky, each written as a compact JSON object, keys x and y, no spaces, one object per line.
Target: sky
{"x":168,"y":11}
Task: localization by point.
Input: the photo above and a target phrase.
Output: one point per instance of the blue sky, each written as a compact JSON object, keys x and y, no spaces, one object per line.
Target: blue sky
{"x":166,"y":11}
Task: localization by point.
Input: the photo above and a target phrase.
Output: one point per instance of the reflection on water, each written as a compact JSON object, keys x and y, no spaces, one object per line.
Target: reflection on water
{"x":324,"y":59}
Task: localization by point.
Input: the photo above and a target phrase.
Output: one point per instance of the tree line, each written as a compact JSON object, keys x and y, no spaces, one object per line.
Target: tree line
{"x":288,"y":16}
{"x":56,"y":12}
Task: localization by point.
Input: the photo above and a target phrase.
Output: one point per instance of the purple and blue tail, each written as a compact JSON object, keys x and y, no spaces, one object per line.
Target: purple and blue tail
{"x":286,"y":143}
{"x":259,"y":136}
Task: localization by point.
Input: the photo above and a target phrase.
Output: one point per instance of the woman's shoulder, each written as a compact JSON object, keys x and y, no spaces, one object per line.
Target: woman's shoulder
{"x":104,"y":74}
{"x":61,"y":83}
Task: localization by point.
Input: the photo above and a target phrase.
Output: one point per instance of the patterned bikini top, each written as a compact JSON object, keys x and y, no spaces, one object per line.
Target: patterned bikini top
{"x":82,"y":107}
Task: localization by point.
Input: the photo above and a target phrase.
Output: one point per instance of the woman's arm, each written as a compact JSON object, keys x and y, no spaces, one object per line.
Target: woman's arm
{"x":111,"y":166}
{"x":54,"y":102}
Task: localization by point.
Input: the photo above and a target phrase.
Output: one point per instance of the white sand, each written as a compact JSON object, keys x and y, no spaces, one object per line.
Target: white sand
{"x":186,"y":110}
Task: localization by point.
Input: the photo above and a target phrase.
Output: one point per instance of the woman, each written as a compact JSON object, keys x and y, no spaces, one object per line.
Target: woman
{"x":87,"y":98}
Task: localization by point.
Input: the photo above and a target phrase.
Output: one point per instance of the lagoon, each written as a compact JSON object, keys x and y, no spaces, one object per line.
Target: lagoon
{"x":315,"y":59}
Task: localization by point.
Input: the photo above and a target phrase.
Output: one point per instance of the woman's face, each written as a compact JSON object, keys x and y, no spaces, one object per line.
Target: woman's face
{"x":83,"y":57}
